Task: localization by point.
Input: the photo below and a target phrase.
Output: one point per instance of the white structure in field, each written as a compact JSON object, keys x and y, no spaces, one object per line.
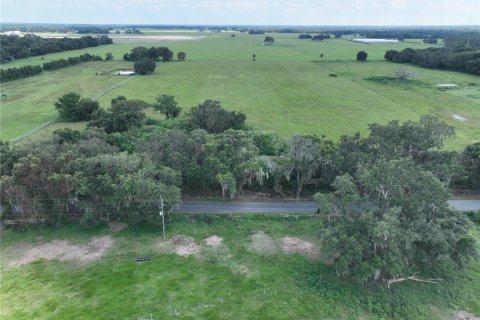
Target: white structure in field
{"x":12,"y":33}
{"x":445,"y":86}
{"x":377,"y":41}
{"x":125,"y":72}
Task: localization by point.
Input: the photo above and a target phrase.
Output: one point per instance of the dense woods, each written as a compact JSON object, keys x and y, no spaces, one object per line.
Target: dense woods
{"x":462,"y":59}
{"x":14,"y":47}
{"x":210,"y":151}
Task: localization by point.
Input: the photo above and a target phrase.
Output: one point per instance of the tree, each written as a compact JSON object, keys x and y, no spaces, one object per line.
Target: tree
{"x":268,"y":39}
{"x":391,"y":221}
{"x":144,"y":67}
{"x":167,"y":105}
{"x":122,"y":180}
{"x":305,"y":157}
{"x":320,"y":37}
{"x":362,"y":56}
{"x":211,"y":117}
{"x":390,"y":55}
{"x":181,"y":55}
{"x":137,"y":54}
{"x":227,"y":182}
{"x":123,"y":115}
{"x":72,"y":108}
{"x":471,"y":161}
{"x":108,"y":56}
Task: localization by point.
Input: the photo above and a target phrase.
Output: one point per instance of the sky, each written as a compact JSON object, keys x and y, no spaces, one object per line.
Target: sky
{"x":244,"y":12}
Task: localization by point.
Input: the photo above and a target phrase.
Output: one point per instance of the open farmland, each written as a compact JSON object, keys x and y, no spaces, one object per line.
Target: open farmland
{"x":287,"y":90}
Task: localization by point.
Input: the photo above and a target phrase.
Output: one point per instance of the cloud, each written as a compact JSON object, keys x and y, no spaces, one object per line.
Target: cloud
{"x":303,"y":12}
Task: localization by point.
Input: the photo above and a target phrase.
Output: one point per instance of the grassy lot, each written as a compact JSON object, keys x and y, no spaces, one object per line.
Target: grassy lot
{"x":287,"y":90}
{"x":232,"y":281}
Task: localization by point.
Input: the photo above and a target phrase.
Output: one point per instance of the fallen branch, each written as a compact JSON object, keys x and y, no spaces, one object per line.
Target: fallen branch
{"x":412,"y":278}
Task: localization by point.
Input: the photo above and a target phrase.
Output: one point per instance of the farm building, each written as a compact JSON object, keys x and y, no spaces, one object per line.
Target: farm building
{"x":377,"y":41}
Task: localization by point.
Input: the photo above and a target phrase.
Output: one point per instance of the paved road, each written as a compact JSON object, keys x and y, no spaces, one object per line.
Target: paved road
{"x":190,"y":206}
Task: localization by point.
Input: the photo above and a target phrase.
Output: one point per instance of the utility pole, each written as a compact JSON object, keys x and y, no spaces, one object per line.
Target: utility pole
{"x":162,"y":214}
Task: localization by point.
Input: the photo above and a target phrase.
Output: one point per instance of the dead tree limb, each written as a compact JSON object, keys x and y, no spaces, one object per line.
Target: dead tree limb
{"x":412,"y":278}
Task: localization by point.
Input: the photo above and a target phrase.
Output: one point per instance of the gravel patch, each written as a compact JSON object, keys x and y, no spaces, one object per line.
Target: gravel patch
{"x":185,"y":245}
{"x":117,"y":226}
{"x":262,"y":243}
{"x":214,"y":241}
{"x":464,"y":315}
{"x":296,"y":245}
{"x":65,"y":251}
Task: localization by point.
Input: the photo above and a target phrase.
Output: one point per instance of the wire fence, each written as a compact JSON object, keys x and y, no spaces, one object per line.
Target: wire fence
{"x":42,"y":210}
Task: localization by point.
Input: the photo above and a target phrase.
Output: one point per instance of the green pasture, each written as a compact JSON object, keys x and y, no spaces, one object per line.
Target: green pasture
{"x":287,"y":89}
{"x":231,"y":281}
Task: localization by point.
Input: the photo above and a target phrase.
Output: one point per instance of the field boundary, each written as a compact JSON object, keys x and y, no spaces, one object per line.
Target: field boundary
{"x":32,"y":131}
{"x":48,"y":123}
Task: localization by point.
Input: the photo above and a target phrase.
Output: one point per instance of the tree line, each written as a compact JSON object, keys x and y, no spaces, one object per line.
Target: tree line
{"x":145,"y":58}
{"x":153,"y":53}
{"x":14,"y":47}
{"x":11,"y":74}
{"x":383,"y":196}
{"x":315,"y":37}
{"x":71,"y":61}
{"x":462,"y":59}
{"x":92,"y":30}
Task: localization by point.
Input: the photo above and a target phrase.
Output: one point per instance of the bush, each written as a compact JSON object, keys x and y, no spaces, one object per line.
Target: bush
{"x":474,"y":216}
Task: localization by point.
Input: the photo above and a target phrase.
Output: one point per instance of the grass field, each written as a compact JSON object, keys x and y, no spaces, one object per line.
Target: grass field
{"x":237,"y":280}
{"x":287,"y":90}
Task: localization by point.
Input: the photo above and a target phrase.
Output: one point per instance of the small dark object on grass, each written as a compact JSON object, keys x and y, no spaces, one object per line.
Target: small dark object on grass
{"x":143,"y":258}
{"x":333,"y":74}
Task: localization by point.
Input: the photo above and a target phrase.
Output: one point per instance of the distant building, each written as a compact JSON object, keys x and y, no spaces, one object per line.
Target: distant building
{"x":13,"y":33}
{"x":376,"y":41}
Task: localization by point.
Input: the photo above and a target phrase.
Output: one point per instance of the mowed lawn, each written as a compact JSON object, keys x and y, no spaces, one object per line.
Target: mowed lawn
{"x":248,"y":276}
{"x":287,"y":89}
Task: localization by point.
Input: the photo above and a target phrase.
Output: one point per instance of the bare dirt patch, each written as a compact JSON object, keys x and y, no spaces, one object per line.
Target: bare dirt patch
{"x":296,"y":245}
{"x":117,"y":226}
{"x":464,"y":315}
{"x":214,"y":241}
{"x":185,"y":245}
{"x":262,"y":243}
{"x":65,"y":251}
